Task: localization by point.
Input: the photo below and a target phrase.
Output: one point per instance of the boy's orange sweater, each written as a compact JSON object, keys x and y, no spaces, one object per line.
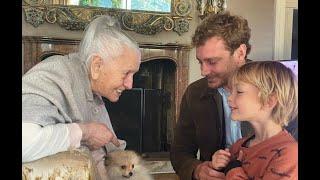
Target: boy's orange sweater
{"x":274,"y":158}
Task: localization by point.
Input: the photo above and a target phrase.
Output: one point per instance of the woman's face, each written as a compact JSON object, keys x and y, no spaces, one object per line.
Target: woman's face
{"x":116,"y":75}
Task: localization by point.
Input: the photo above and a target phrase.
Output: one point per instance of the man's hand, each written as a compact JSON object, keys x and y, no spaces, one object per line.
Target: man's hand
{"x":221,"y":158}
{"x":205,"y":171}
{"x":96,"y":134}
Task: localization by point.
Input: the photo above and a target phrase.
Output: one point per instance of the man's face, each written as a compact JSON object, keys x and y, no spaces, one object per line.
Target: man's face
{"x":216,"y":62}
{"x":116,"y":75}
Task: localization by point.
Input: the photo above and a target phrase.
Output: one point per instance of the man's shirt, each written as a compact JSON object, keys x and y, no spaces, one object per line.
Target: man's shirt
{"x":233,"y":128}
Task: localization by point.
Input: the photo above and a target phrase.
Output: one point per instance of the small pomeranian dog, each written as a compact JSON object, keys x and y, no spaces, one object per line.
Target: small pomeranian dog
{"x":126,"y":165}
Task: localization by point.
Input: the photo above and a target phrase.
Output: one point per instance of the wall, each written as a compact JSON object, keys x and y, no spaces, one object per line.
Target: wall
{"x":260,"y":15}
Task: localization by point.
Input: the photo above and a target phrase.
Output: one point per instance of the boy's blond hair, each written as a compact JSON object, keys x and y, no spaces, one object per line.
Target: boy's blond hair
{"x":272,"y":78}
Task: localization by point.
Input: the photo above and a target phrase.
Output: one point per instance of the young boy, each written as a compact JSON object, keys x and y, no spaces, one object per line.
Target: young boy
{"x":265,"y":94}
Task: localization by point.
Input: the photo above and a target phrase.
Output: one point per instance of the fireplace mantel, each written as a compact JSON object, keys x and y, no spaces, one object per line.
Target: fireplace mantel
{"x":36,"y":49}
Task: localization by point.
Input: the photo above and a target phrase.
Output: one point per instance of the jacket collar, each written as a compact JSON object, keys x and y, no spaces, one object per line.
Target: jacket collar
{"x":209,"y":92}
{"x":246,"y":128}
{"x":214,"y":93}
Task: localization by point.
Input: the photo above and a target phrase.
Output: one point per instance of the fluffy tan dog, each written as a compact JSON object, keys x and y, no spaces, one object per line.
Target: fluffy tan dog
{"x":126,"y":165}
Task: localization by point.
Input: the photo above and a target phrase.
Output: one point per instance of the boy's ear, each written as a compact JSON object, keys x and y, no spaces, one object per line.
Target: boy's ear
{"x":95,"y":67}
{"x":272,"y":101}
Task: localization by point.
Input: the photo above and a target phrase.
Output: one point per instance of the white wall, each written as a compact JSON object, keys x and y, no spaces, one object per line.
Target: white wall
{"x":260,"y":15}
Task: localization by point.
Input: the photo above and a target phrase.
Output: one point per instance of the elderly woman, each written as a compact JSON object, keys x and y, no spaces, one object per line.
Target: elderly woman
{"x":62,"y":106}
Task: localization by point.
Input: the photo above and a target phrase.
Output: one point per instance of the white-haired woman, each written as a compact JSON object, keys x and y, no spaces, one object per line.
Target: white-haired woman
{"x":62,"y":106}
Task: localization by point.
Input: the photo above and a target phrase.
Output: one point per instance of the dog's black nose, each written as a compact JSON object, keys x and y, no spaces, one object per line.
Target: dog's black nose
{"x":130,"y":173}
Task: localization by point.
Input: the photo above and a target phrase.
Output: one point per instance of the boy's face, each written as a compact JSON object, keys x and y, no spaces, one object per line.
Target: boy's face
{"x":245,"y":104}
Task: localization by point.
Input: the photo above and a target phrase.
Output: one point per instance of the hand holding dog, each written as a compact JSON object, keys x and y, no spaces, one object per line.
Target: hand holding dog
{"x":96,"y":134}
{"x":221,"y":158}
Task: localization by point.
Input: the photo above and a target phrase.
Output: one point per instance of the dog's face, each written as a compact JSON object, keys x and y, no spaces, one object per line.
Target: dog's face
{"x":127,"y":170}
{"x":122,"y":163}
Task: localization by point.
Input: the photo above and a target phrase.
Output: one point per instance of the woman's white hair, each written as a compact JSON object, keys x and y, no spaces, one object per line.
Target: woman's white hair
{"x":103,"y":37}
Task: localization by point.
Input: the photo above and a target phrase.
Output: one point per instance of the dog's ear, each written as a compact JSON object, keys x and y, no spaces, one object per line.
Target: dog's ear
{"x":107,"y":160}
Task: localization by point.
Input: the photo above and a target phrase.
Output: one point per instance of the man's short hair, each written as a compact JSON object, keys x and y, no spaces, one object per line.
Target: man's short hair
{"x":234,"y":30}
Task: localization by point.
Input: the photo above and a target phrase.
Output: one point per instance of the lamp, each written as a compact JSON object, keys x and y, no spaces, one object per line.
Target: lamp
{"x":206,"y":7}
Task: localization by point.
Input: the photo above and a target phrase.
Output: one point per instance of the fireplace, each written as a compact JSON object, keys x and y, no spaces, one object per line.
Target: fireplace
{"x":145,"y":115}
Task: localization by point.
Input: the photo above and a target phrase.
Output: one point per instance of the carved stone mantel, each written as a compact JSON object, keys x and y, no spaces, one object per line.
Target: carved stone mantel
{"x":36,"y":49}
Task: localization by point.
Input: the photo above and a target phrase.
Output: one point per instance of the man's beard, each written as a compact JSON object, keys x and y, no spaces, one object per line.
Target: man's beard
{"x":221,"y":79}
{"x":216,"y":83}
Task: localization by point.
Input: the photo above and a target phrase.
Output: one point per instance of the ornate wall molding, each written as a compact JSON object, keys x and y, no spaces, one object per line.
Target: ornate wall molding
{"x":206,"y":7}
{"x":77,"y":17}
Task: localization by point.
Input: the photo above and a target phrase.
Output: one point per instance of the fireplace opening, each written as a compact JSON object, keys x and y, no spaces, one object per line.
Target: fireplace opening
{"x":145,"y":115}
